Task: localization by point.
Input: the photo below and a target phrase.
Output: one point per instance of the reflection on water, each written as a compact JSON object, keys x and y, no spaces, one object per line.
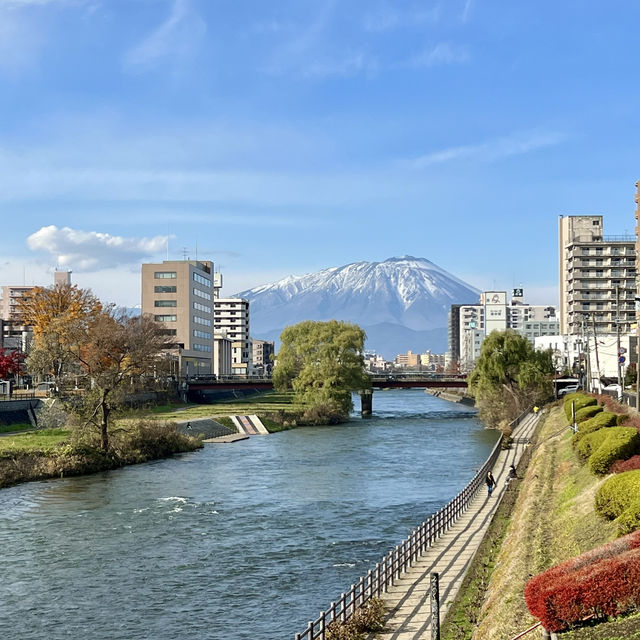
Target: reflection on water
{"x":237,"y":541}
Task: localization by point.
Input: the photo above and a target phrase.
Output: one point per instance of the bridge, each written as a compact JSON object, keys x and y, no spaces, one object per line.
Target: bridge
{"x":204,"y":389}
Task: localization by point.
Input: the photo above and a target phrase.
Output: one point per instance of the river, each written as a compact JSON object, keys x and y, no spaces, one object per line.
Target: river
{"x":239,"y":541}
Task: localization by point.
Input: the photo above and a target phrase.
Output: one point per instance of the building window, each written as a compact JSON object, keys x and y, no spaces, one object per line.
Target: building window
{"x":201,"y":347}
{"x":168,"y":332}
{"x":165,"y":274}
{"x":201,"y":334}
{"x":163,"y":289}
{"x":204,"y":321}
{"x":166,"y":318}
{"x":202,"y":280}
{"x":165,"y":303}
{"x":201,"y":307}
{"x":201,"y":294}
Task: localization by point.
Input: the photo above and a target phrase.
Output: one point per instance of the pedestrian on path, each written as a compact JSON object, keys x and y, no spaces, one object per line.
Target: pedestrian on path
{"x":491,"y":482}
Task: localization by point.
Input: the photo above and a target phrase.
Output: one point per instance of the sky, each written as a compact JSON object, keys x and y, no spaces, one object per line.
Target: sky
{"x":280,"y":138}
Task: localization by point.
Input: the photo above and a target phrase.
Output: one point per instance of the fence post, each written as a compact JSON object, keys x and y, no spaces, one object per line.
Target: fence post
{"x":435,"y":607}
{"x":343,"y":610}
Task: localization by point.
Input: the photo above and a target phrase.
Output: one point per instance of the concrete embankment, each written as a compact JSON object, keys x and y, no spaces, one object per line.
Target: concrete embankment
{"x":452,"y":396}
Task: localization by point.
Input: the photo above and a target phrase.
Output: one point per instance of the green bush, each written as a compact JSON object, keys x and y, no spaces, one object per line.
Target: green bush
{"x":591,"y":442}
{"x":599,"y":421}
{"x":586,"y":413}
{"x":619,"y":498}
{"x":620,"y":443}
{"x":580,"y":400}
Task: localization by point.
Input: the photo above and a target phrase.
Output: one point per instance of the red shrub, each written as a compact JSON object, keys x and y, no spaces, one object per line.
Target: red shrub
{"x":604,"y":581}
{"x":632,"y":420}
{"x":611,"y":403}
{"x":620,"y":466}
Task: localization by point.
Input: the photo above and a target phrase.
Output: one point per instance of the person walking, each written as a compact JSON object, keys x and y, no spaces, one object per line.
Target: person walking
{"x":491,"y":482}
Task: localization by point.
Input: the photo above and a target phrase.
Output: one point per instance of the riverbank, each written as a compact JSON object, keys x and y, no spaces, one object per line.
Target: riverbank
{"x":59,"y":453}
{"x":550,"y":519}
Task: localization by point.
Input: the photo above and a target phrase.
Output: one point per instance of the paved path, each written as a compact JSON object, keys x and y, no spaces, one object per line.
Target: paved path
{"x":408,"y":600}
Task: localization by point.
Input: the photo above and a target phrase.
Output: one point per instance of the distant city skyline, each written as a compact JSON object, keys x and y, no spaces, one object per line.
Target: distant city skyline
{"x":284,"y":138}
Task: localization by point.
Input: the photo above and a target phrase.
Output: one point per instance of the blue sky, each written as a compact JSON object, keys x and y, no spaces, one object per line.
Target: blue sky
{"x":287,"y":136}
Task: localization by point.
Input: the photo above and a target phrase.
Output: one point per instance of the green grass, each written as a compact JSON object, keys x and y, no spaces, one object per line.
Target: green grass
{"x":11,"y":428}
{"x":627,"y":628}
{"x":269,"y":402}
{"x":37,"y":441}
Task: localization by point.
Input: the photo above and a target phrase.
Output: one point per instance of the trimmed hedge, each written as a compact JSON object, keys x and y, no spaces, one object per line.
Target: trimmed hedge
{"x":605,"y":580}
{"x":591,"y":442}
{"x":599,"y":421}
{"x":587,"y":412}
{"x":580,"y":401}
{"x":620,"y":466}
{"x":621,"y":443}
{"x":619,"y":498}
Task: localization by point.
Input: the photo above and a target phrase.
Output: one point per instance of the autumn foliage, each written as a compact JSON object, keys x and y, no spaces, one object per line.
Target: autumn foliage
{"x":604,"y":581}
{"x":10,"y":363}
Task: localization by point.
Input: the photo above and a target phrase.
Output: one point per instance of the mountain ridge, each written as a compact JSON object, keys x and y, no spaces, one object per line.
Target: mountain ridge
{"x":401,"y":295}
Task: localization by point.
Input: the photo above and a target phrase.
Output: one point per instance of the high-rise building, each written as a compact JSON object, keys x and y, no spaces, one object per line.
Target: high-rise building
{"x":180,"y":294}
{"x":597,"y":277}
{"x":9,"y":302}
{"x":494,"y":313}
{"x":232,"y":320}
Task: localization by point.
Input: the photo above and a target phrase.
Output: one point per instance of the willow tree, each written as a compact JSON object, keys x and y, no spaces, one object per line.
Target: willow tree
{"x":322,"y":362}
{"x":510,"y":376}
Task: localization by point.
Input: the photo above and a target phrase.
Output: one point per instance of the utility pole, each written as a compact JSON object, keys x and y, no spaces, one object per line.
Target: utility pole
{"x":618,"y":339}
{"x":588,"y":355}
{"x":595,"y":343}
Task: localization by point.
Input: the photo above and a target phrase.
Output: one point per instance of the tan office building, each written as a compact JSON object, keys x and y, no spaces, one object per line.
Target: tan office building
{"x":597,"y":277}
{"x":180,"y":295}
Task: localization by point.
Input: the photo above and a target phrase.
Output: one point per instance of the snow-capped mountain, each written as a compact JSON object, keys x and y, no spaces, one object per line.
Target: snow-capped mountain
{"x":402,"y":303}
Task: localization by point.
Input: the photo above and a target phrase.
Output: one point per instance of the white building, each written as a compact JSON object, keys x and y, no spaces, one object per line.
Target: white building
{"x":494,"y":313}
{"x":231,"y":316}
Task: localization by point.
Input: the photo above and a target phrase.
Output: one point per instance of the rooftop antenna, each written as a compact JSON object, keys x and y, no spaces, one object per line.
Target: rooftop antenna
{"x":185,"y":253}
{"x":167,"y":243}
{"x":196,"y":250}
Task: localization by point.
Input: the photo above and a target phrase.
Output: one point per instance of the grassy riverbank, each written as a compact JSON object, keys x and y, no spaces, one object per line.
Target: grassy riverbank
{"x":55,"y":453}
{"x":277,"y":410}
{"x":551,"y":519}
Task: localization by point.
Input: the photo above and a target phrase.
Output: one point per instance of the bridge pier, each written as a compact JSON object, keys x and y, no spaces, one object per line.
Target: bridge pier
{"x":366,"y":403}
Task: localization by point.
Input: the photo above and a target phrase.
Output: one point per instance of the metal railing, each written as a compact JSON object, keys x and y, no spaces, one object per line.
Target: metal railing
{"x":399,"y":559}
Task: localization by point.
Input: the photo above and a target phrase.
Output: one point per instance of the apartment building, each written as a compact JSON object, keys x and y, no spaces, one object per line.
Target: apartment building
{"x":597,"y":276}
{"x":180,"y":295}
{"x":232,"y":320}
{"x":263,"y":354}
{"x":495,"y":313}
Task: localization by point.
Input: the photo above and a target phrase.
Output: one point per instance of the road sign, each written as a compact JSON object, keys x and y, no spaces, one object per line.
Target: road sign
{"x":621,"y":359}
{"x":622,"y":350}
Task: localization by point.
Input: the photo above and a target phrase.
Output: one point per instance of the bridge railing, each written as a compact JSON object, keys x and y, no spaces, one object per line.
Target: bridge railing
{"x":399,"y":559}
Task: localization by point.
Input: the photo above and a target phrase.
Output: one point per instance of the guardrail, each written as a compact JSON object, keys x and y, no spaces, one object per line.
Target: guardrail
{"x":398,"y":560}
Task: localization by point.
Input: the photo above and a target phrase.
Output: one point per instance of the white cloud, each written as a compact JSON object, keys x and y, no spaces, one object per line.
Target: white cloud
{"x":466,"y":11}
{"x":442,"y":53}
{"x":174,"y":40}
{"x":92,"y":250}
{"x":515,"y":144}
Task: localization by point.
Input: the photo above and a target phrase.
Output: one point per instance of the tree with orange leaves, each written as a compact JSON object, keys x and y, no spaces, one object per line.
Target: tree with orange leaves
{"x":118,"y":352}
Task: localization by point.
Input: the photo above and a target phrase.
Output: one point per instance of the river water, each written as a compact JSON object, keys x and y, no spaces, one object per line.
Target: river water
{"x":240,"y":541}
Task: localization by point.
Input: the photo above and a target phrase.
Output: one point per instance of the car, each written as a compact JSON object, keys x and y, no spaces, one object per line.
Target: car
{"x":571,"y":388}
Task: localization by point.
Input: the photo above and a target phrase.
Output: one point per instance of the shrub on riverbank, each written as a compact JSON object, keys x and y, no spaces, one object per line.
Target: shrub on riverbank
{"x":620,"y":444}
{"x":605,"y":580}
{"x":600,"y":421}
{"x":580,"y":401}
{"x":368,"y":619}
{"x":586,"y":413}
{"x":619,"y":498}
{"x":72,"y":453}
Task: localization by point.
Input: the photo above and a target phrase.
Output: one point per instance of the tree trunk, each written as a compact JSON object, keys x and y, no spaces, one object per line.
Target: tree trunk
{"x":104,"y":433}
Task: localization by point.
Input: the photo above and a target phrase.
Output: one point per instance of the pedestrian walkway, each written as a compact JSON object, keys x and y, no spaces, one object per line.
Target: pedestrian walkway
{"x":251,"y":425}
{"x":408,"y":600}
